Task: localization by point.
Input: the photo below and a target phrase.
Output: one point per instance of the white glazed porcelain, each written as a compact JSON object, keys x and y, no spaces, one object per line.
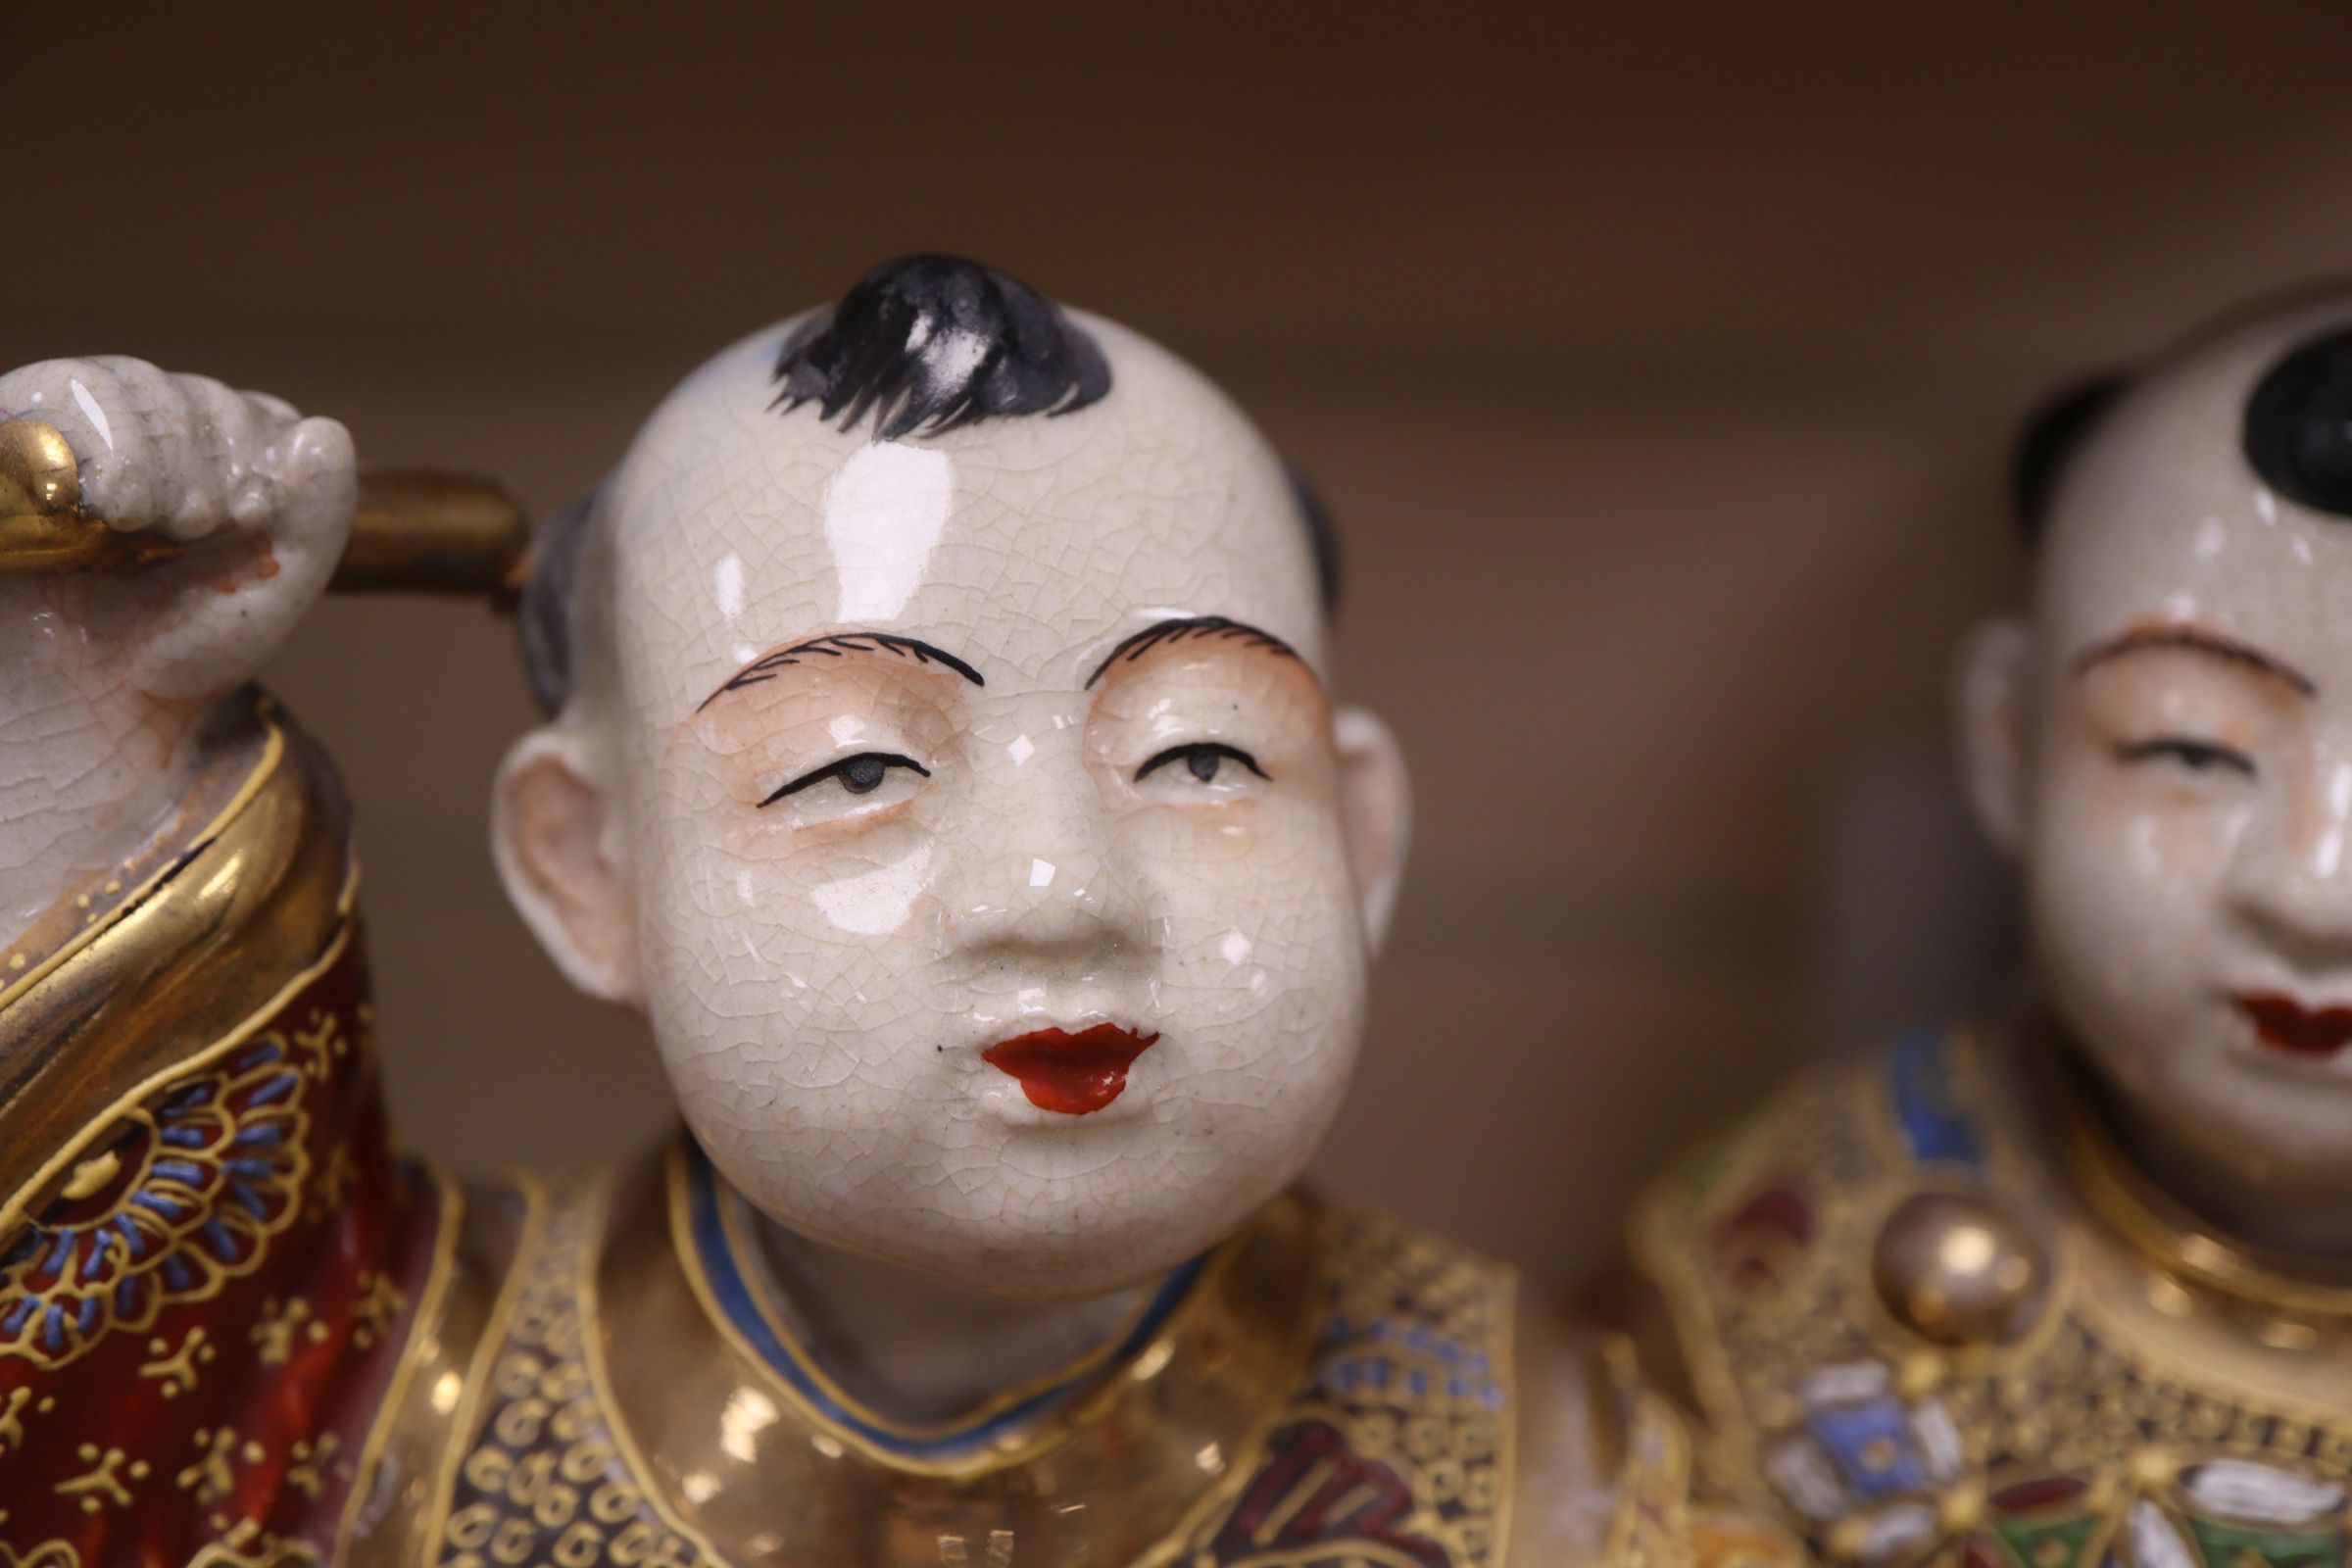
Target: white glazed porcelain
{"x":822,"y":973}
{"x":109,"y":682}
{"x":2164,"y":739}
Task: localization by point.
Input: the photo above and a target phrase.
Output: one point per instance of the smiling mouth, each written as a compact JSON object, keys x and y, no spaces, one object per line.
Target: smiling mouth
{"x":1070,"y":1073}
{"x":2285,"y":1025}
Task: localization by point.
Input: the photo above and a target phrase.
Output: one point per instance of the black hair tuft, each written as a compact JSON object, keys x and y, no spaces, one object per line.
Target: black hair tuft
{"x":543,"y":617}
{"x":1322,"y":535}
{"x":2298,"y":434}
{"x":2052,"y":435}
{"x":926,"y":344}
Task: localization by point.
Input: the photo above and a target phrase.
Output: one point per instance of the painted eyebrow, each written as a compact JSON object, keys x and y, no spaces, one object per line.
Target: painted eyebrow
{"x":1220,"y":627}
{"x":833,"y":645}
{"x":2196,"y":639}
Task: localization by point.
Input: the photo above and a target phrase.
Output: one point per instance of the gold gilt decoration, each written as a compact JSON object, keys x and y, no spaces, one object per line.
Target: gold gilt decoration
{"x":543,"y":1473}
{"x":247,"y":1545}
{"x":1328,"y":1391}
{"x":104,"y":1482}
{"x":249,"y":899}
{"x":1403,"y":1429}
{"x":281,"y":1326}
{"x":12,"y":1419}
{"x":201,"y":1178}
{"x":48,"y":1555}
{"x":1936,"y":1319}
{"x":174,"y":1073}
{"x":175,"y":1369}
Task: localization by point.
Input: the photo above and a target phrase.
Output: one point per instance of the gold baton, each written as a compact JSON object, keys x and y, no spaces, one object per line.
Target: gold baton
{"x":414,"y":530}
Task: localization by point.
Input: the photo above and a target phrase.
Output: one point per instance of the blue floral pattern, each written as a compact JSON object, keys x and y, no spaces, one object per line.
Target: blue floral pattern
{"x":186,"y":1193}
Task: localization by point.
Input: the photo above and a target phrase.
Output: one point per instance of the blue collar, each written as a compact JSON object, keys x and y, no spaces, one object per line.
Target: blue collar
{"x":799,"y":1370}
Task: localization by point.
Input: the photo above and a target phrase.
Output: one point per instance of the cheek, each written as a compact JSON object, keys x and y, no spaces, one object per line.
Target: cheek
{"x":2124,"y":881}
{"x":1261,"y":948}
{"x":2131,"y":834}
{"x":759,"y":938}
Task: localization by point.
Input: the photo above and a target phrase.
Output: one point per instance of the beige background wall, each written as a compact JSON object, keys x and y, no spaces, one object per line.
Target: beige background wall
{"x":1658,"y":362}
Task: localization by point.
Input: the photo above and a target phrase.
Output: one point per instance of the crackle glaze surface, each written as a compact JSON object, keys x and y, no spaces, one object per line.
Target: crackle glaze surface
{"x":2077,"y":1290}
{"x":964,"y":805}
{"x":109,"y":681}
{"x":824,"y":972}
{"x":2165,"y":741}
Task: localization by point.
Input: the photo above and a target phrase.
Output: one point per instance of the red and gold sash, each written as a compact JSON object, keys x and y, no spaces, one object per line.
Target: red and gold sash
{"x":211,"y":1263}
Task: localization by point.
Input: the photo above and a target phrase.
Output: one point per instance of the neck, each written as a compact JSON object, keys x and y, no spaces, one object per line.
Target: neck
{"x":2257,"y":1198}
{"x":916,"y":1349}
{"x":2275,"y":1205}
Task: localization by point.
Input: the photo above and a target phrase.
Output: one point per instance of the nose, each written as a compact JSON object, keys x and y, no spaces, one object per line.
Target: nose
{"x":2292,"y":873}
{"x":1048,"y":881}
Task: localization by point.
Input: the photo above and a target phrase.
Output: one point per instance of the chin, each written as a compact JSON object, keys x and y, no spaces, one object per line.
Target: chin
{"x":1080,"y":1249}
{"x":1057,"y":1264}
{"x":1009,"y":1236}
{"x":2236,"y":1105}
{"x":2278,"y":1117}
{"x":1087,"y":1266}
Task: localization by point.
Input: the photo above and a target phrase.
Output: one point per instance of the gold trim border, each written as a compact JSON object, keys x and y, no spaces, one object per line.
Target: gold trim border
{"x":1307,"y":1328}
{"x":1060,"y":1422}
{"x":529,"y":1233}
{"x":1507,"y":1438}
{"x":596,"y":1222}
{"x":12,"y":1212}
{"x":757,"y":1286}
{"x":273,"y":751}
{"x":423,"y":1333}
{"x":2162,"y":1231}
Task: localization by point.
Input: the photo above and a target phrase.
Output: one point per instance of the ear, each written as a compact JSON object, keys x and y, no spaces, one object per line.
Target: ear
{"x":548,"y":823}
{"x":1376,"y":811}
{"x":1993,"y":666}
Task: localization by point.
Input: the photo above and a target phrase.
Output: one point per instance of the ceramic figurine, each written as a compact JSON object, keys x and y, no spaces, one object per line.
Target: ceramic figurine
{"x":942,"y":760}
{"x":2077,"y":1289}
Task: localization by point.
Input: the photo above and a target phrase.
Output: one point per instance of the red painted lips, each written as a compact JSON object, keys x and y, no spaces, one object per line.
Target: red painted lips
{"x":1072,"y":1073}
{"x":2285,"y":1024}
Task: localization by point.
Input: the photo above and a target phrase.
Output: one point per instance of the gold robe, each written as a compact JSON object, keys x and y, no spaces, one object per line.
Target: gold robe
{"x":1931,"y":1314}
{"x":1323,"y":1389}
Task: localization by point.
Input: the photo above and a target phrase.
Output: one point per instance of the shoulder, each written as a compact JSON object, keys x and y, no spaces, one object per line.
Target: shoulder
{"x":1568,"y":1412}
{"x":1797,"y":1270}
{"x":1609,"y":1471}
{"x":1408,"y":1390}
{"x":531,"y":1455}
{"x":1508,"y":1424}
{"x":1433,"y":1364}
{"x":1749,"y":1208}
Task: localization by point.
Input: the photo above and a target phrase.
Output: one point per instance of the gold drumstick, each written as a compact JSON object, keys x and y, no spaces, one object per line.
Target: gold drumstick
{"x":414,"y":530}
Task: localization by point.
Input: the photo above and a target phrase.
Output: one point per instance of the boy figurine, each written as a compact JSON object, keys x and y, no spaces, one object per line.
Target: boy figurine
{"x":2077,"y":1290}
{"x":941,"y":760}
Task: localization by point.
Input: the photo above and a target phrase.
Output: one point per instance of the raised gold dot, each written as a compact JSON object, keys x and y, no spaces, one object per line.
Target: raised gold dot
{"x":1960,"y":1269}
{"x":1919,"y":1374}
{"x":2285,"y":1334}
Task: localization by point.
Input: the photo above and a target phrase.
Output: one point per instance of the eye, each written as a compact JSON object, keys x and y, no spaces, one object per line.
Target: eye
{"x":861,"y":774}
{"x":2187,"y":750}
{"x":1203,"y":760}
